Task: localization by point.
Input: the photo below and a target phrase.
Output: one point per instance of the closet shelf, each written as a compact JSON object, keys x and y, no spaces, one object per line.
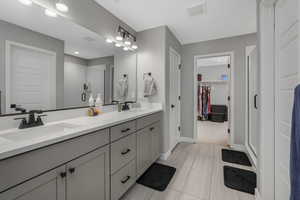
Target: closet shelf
{"x":214,"y":81}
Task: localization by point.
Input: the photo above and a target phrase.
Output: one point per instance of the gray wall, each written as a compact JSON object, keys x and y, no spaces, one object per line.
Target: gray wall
{"x":109,"y":60}
{"x":153,"y":56}
{"x":235,"y":44}
{"x":25,"y":36}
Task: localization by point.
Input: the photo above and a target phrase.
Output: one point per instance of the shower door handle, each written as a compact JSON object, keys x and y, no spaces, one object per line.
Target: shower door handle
{"x":255,"y":101}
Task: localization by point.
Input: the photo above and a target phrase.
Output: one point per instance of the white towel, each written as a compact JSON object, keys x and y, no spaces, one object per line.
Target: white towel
{"x":123,"y":88}
{"x":150,"y":88}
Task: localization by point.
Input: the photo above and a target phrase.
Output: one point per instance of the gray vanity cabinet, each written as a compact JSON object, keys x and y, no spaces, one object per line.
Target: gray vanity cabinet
{"x":88,"y":176}
{"x":148,"y":147}
{"x":49,"y":186}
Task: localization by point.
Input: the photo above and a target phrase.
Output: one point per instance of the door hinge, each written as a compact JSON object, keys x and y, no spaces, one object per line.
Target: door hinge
{"x":228,"y":66}
{"x":179,"y":128}
{"x":228,"y":98}
{"x":179,"y":66}
{"x":228,"y":131}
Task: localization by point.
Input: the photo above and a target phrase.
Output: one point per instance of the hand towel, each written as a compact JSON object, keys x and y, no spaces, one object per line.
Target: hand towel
{"x":150,"y":88}
{"x":295,"y":148}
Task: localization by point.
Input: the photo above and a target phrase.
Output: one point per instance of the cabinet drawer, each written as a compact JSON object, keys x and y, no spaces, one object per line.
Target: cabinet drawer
{"x":122,"y":152}
{"x":148,"y":120}
{"x":122,"y":130}
{"x":25,"y":166}
{"x":123,"y":180}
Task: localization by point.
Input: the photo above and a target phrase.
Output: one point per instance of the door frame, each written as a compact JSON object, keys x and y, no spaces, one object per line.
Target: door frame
{"x":178,"y":139}
{"x":249,"y":149}
{"x":231,"y":92}
{"x":8,"y":45}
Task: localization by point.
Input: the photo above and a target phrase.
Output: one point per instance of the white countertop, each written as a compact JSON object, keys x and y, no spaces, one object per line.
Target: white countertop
{"x":15,"y":141}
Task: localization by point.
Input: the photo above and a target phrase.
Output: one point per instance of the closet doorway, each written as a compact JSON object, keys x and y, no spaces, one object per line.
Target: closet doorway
{"x":213,"y":98}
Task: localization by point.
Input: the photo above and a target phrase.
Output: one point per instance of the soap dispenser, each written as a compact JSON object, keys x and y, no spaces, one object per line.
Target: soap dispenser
{"x":91,"y":101}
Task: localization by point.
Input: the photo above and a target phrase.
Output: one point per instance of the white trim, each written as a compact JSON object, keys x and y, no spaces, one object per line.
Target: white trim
{"x":257,"y":195}
{"x":239,"y":147}
{"x":187,"y":140}
{"x":249,"y":149}
{"x":231,"y":85}
{"x":165,"y":156}
{"x":8,"y":45}
{"x":266,"y":159}
{"x":179,"y":91}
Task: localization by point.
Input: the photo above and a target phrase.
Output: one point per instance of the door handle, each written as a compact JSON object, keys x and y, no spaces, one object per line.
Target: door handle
{"x":255,"y":101}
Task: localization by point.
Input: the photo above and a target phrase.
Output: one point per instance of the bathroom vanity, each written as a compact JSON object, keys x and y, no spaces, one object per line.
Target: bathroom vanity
{"x":82,"y":158}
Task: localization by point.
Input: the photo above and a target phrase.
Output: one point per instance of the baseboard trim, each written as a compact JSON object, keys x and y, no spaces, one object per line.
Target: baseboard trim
{"x":165,"y":156}
{"x":187,"y":140}
{"x":257,"y":195}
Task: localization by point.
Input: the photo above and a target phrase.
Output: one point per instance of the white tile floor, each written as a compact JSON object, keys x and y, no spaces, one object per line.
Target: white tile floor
{"x":212,"y":132}
{"x":199,"y":176}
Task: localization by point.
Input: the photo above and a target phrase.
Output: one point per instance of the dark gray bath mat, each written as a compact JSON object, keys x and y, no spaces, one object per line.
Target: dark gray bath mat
{"x":236,"y":157}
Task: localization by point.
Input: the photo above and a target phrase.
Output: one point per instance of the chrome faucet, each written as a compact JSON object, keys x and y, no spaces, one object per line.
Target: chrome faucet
{"x":32,"y":120}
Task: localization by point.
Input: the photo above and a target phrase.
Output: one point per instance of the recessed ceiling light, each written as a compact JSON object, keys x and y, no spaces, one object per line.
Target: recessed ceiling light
{"x":50,"y":13}
{"x":119,"y":38}
{"x":76,"y":52}
{"x":26,"y":2}
{"x":125,"y":49}
{"x":118,"y":45}
{"x":134,"y":46}
{"x":127,"y":42}
{"x":62,"y":7}
{"x":109,"y":40}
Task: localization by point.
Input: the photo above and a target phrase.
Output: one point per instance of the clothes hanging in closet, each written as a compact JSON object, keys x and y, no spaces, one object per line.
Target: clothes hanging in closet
{"x":204,"y":102}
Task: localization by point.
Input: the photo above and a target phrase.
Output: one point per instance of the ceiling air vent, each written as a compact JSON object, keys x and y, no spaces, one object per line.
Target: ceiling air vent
{"x":199,"y":9}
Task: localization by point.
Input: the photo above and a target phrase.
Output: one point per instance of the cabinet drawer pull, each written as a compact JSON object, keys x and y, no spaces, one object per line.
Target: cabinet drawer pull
{"x":72,"y":170}
{"x":152,"y":128}
{"x":63,"y":174}
{"x":126,"y":152}
{"x":125,"y":180}
{"x":125,"y":130}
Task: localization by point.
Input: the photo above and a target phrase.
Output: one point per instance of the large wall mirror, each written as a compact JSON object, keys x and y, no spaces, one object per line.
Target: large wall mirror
{"x":50,"y":63}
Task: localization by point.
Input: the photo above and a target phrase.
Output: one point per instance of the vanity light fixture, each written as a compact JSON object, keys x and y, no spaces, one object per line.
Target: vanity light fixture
{"x":50,"y":13}
{"x":118,"y":45}
{"x":125,"y":48}
{"x":62,"y":6}
{"x":26,"y":2}
{"x":127,"y":42}
{"x":109,"y":40}
{"x":134,"y":46}
{"x":119,"y":38}
{"x":76,"y":52}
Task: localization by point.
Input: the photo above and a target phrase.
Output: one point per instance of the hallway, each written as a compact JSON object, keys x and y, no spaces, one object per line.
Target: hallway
{"x":212,"y":132}
{"x":199,"y":176}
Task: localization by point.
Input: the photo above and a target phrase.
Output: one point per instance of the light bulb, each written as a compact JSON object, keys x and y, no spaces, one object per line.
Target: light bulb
{"x":134,"y":46}
{"x":76,"y":52}
{"x":118,"y":45}
{"x":119,"y":38}
{"x":125,"y":49}
{"x":62,"y":7}
{"x":127,"y":43}
{"x":109,"y":40}
{"x":26,"y":2}
{"x":50,"y":13}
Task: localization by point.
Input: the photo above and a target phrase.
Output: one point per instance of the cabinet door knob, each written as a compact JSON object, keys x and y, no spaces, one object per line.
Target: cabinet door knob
{"x":72,"y":170}
{"x":63,"y":174}
{"x":126,"y":152}
{"x":152,"y":128}
{"x":125,"y":179}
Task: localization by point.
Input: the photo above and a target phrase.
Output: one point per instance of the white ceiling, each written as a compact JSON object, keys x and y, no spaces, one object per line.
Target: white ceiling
{"x":74,"y":36}
{"x":223,"y":18}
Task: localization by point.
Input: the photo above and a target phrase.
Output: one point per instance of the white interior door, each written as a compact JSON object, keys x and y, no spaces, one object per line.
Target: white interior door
{"x":253,"y":114}
{"x":287,"y":77}
{"x":95,"y":79}
{"x":174,"y":124}
{"x":31,"y":77}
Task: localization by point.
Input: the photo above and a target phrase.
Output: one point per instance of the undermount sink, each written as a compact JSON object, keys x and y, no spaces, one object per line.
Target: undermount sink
{"x":37,"y":132}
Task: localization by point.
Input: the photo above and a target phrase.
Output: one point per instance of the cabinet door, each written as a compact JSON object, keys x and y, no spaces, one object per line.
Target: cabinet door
{"x":88,"y":176}
{"x":144,"y":150}
{"x":155,"y":135}
{"x":49,"y":186}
